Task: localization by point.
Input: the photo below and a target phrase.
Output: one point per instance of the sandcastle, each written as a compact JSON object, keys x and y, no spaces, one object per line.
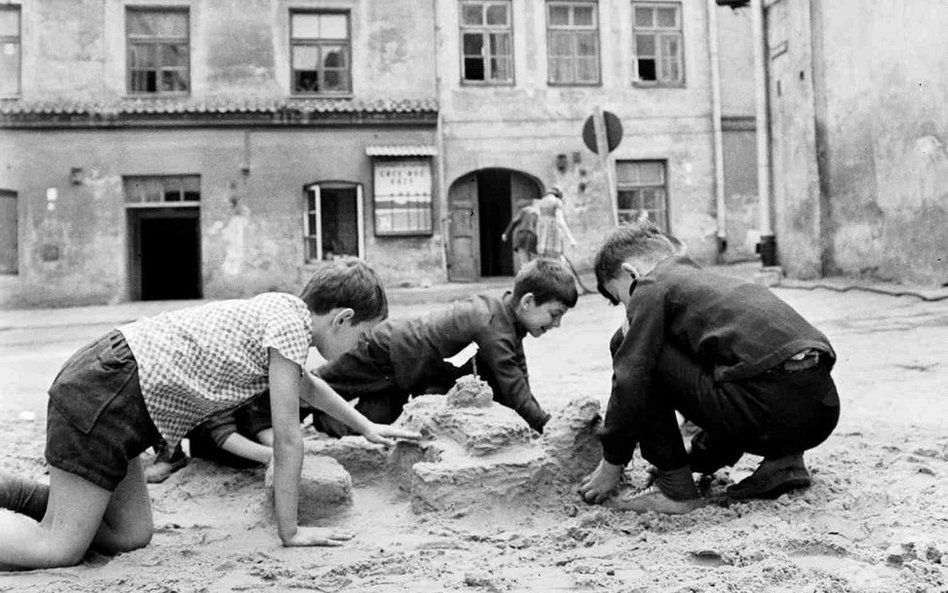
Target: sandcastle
{"x":474,"y":452}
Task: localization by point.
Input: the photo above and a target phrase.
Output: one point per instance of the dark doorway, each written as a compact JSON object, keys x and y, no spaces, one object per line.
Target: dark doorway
{"x":493,"y":205}
{"x":165,"y":259}
{"x":340,"y":221}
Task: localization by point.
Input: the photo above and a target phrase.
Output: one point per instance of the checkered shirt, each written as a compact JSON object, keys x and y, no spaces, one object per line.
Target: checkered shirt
{"x":198,"y":361}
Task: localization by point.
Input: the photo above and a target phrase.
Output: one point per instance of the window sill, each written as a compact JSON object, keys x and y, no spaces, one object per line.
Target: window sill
{"x":404,"y":234}
{"x":157,"y":95}
{"x":658,"y":85}
{"x":574,"y":84}
{"x":486,"y":83}
{"x":345,"y":95}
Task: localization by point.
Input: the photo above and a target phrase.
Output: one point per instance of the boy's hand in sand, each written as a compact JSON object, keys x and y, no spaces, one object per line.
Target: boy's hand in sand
{"x":318,"y":536}
{"x":383,"y":434}
{"x":598,"y":485}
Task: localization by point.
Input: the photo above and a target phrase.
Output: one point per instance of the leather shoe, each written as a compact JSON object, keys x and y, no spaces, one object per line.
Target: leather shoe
{"x":653,"y":499}
{"x":772,"y":478}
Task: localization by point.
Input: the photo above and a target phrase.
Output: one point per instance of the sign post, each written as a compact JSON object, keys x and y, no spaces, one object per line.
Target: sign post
{"x":602,"y":133}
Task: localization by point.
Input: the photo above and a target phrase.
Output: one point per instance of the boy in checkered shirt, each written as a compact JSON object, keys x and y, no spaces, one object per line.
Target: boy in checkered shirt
{"x":159,"y":377}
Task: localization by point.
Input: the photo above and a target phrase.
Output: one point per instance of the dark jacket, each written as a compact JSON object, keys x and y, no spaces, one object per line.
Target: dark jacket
{"x":420,"y":344}
{"x":735,"y":329}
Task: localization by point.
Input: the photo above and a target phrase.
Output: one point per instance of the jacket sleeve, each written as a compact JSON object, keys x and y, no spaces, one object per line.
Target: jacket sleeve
{"x":507,"y":366}
{"x":633,"y":363}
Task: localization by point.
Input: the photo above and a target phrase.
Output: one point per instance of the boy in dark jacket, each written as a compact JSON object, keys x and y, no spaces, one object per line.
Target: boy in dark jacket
{"x":729,"y":355}
{"x":404,"y":357}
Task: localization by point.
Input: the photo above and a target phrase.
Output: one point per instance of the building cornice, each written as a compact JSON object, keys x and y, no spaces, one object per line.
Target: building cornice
{"x":189,"y":113}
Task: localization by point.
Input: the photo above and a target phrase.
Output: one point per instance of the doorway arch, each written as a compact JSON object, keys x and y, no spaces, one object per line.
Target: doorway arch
{"x":480,"y":204}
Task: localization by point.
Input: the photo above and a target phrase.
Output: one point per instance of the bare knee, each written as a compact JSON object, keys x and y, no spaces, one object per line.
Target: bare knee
{"x":112,"y":542}
{"x":133,"y":541}
{"x":59,"y":552}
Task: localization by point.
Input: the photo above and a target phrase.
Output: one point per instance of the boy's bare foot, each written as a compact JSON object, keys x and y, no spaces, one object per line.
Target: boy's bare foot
{"x":772,"y":478}
{"x":165,"y":465}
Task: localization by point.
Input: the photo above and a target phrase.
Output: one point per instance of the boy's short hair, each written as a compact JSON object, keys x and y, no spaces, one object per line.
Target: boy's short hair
{"x":640,"y":239}
{"x":548,"y":280}
{"x":346,"y":282}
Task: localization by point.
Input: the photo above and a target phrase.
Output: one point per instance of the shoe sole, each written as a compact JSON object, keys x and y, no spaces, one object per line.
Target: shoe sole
{"x":769,"y":493}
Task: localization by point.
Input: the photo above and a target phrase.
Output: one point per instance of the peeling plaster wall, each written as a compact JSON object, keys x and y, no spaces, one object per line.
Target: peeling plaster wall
{"x":880,"y":132}
{"x":251,"y":225}
{"x":888,"y":127}
{"x":739,"y":140}
{"x":523,"y":127}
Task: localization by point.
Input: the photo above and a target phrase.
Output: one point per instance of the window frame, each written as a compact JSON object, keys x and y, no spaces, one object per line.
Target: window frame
{"x":659,"y":34}
{"x":319,"y":43}
{"x":572,"y":29}
{"x":485,"y":31}
{"x":157,"y":41}
{"x":633,"y":186}
{"x":312,"y":204}
{"x":18,"y":41}
{"x":163,"y":203}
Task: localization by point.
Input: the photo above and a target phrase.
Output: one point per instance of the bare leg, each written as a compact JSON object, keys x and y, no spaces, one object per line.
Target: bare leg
{"x":127,"y":524}
{"x":78,"y":513}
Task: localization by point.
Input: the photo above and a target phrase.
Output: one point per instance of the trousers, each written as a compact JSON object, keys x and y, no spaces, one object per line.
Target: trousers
{"x":773,"y":414}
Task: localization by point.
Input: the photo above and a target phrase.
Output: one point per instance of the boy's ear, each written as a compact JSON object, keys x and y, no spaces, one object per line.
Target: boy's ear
{"x":527,"y":301}
{"x":342,"y":316}
{"x":631,"y":270}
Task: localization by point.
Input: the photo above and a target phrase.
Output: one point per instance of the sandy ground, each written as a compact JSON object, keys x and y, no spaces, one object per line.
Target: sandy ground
{"x":875,"y":519}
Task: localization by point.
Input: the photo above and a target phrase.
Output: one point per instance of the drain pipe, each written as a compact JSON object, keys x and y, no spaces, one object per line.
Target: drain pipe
{"x":720,"y":203}
{"x":768,"y":241}
{"x":439,"y":141}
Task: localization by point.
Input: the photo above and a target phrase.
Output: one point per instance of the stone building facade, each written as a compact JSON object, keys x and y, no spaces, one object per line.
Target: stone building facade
{"x":858,"y":93}
{"x":155,"y":149}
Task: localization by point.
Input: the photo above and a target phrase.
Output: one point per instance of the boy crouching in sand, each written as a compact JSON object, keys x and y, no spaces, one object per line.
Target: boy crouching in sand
{"x":159,"y":377}
{"x":729,"y":355}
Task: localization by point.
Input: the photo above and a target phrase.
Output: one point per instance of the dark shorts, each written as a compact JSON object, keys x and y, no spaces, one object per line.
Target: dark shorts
{"x":526,"y":240}
{"x":97,"y":420}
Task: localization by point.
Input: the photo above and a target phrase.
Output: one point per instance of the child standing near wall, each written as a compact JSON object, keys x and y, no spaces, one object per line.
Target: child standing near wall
{"x":159,"y":377}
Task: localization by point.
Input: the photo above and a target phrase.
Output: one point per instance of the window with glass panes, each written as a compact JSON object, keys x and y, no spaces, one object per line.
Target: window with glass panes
{"x":182,"y":190}
{"x":10,"y":54}
{"x":486,"y":44}
{"x":573,"y":42}
{"x":642,"y":192}
{"x":657,"y":44}
{"x":158,"y":51}
{"x":320,"y":52}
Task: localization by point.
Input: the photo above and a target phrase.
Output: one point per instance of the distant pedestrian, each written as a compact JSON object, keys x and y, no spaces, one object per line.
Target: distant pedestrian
{"x":523,"y":227}
{"x":552,"y":230}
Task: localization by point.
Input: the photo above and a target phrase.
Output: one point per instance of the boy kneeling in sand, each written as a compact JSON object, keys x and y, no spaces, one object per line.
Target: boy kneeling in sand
{"x":159,"y":377}
{"x":729,"y":355}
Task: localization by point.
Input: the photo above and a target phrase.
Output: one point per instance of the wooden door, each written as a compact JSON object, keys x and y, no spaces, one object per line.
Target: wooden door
{"x":463,"y":260}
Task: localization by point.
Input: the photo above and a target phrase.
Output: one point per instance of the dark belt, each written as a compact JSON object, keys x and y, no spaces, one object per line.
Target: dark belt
{"x":810,"y":359}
